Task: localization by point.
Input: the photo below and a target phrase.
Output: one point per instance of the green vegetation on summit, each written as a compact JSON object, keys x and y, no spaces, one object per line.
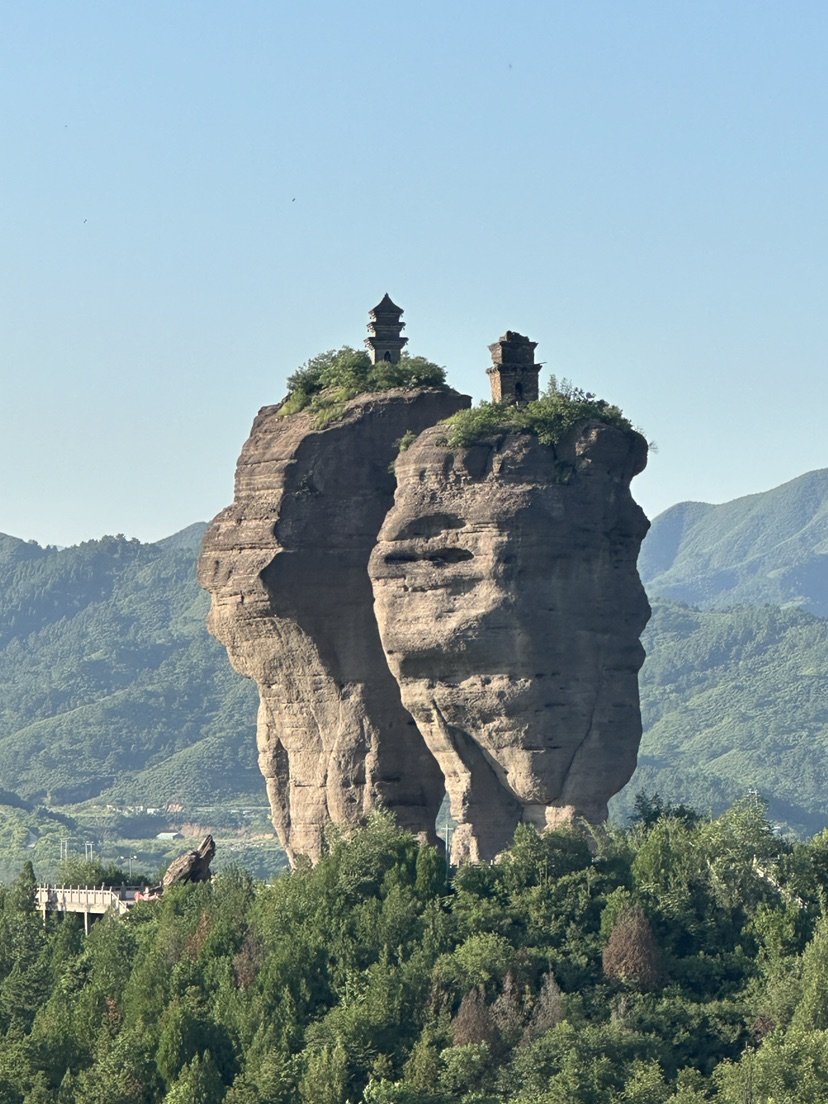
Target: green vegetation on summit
{"x":676,"y":962}
{"x":330,"y":379}
{"x":560,"y":407}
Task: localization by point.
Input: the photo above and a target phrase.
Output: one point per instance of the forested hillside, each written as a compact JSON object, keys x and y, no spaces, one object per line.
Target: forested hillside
{"x":678,"y":962}
{"x":735,"y":700}
{"x":109,"y":682}
{"x":764,"y":549}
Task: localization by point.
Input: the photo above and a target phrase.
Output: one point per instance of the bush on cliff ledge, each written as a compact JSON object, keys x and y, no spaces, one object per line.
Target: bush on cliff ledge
{"x":559,"y":408}
{"x":328,"y":380}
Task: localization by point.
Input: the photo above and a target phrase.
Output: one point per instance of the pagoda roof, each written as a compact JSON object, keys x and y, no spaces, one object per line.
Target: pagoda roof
{"x":386,"y":304}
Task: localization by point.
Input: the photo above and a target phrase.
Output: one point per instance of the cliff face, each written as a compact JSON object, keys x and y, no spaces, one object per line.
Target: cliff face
{"x":510,"y":611}
{"x":286,"y":566}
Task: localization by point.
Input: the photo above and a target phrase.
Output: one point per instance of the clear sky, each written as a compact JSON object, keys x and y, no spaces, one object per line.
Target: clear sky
{"x":198,"y":196}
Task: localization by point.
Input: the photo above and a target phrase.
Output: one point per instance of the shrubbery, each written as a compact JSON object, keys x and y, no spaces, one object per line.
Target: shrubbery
{"x":679,"y":961}
{"x":330,"y":379}
{"x":559,"y":408}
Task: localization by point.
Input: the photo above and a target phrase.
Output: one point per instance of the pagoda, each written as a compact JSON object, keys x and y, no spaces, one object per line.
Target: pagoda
{"x":386,"y":340}
{"x":513,"y":374}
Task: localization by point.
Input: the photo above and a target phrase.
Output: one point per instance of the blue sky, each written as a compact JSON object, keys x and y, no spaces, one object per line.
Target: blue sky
{"x":197,"y":197}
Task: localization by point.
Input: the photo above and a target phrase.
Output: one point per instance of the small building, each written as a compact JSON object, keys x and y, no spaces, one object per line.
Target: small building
{"x":169,"y":836}
{"x":513,"y":374}
{"x":385,"y":329}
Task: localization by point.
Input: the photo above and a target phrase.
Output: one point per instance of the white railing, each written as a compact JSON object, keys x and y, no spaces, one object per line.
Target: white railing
{"x":87,"y":899}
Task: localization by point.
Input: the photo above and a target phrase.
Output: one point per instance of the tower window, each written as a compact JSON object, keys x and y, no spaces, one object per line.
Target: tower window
{"x":386,"y":356}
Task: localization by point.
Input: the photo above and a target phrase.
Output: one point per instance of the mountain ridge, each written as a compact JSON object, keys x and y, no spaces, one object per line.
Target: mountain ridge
{"x":765,"y":548}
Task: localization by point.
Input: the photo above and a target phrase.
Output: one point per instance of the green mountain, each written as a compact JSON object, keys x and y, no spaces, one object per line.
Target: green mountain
{"x":733,"y":701}
{"x":734,"y":692}
{"x":109,"y":683}
{"x":764,"y":549}
{"x":111,"y":687}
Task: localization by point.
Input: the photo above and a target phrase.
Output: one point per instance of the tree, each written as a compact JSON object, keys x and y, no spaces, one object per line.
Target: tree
{"x":548,"y":1010}
{"x":788,"y":1068}
{"x":27,"y":983}
{"x":40,"y":1091}
{"x":474,"y":1022}
{"x":648,"y":809}
{"x":631,"y":955}
{"x":507,"y":1012}
{"x":187,"y":1030}
{"x":812,"y":1008}
{"x":124,"y":1074}
{"x":198,"y":1083}
{"x":741,"y":849}
{"x":326,"y":1078}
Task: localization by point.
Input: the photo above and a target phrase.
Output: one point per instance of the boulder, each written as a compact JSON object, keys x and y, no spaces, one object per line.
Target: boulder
{"x":192,"y":866}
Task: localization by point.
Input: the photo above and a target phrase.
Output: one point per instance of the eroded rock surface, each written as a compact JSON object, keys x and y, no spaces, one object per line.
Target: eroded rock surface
{"x":286,"y":565}
{"x":192,"y":866}
{"x":510,"y":609}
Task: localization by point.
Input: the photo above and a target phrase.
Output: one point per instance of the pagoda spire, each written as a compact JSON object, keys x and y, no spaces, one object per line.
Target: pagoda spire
{"x":385,"y":329}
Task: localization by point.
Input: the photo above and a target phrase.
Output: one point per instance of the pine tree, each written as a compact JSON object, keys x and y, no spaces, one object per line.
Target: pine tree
{"x":474,"y":1022}
{"x":199,"y":1083}
{"x":548,"y":1010}
{"x":26,"y":986}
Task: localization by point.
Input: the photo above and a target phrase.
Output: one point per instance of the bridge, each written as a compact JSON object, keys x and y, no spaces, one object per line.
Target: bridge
{"x":88,"y":900}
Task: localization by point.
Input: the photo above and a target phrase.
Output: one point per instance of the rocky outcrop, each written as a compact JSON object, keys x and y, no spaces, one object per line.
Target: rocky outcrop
{"x":510,"y":611}
{"x":286,"y":565}
{"x":192,"y":866}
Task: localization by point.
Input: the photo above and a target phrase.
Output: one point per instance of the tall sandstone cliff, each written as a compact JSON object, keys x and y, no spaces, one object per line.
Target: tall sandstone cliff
{"x":286,"y":566}
{"x":510,"y":610}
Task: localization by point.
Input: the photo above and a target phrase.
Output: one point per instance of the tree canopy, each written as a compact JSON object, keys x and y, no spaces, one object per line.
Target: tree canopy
{"x":676,"y":961}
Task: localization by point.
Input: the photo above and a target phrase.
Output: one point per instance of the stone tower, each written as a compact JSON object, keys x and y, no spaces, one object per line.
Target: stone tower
{"x":513,"y":374}
{"x":386,"y":340}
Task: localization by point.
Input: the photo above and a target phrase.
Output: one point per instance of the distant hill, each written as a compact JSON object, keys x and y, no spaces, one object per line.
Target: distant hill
{"x":765,"y":549}
{"x":109,"y":682}
{"x":731,"y":701}
{"x":188,"y":539}
{"x":110,"y":685}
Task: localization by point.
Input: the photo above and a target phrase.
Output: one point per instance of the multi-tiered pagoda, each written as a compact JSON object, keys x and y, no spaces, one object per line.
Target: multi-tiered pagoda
{"x":386,"y":340}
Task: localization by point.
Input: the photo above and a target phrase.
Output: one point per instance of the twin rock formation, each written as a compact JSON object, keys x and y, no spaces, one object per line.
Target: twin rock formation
{"x":447,"y":620}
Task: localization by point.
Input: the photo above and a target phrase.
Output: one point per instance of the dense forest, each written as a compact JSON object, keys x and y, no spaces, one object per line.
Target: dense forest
{"x":676,"y":961}
{"x":110,"y":685}
{"x":733,"y":700}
